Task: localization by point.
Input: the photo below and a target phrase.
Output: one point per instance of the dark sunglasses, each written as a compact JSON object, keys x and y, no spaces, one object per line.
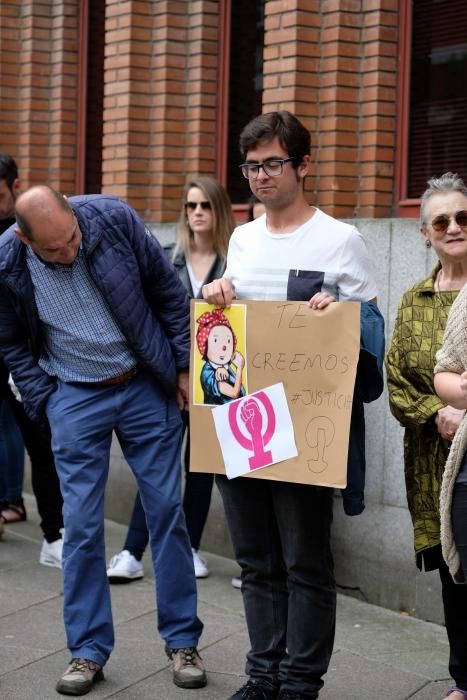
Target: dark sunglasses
{"x":441,"y":223}
{"x":192,"y":205}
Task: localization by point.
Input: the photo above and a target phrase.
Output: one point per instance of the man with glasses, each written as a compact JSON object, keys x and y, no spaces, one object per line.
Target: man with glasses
{"x":94,"y":326}
{"x":281,"y":531}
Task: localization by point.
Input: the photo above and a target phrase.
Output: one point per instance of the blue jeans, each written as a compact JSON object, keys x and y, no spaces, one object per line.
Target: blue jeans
{"x":147,"y":425}
{"x":11,"y":457}
{"x":196,"y":502}
{"x":281,"y":537}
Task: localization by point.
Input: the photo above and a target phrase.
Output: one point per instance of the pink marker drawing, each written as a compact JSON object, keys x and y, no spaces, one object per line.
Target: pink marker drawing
{"x":252,"y":418}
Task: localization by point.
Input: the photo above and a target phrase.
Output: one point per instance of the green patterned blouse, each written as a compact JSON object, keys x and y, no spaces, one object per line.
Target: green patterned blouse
{"x":418,"y":334}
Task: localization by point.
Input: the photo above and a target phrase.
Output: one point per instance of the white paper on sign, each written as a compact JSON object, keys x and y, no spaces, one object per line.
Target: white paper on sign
{"x":255,"y":431}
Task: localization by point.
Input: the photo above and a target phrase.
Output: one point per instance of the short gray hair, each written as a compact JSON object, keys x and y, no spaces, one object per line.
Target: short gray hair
{"x":449,"y":182}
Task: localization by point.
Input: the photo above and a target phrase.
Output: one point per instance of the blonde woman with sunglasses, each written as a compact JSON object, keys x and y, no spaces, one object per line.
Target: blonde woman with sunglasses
{"x":199,"y":256}
{"x":431,"y":423}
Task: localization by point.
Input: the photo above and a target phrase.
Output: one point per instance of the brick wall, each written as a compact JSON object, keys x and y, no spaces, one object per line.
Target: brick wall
{"x":9,"y":60}
{"x":378,"y":107}
{"x":128,"y":101}
{"x":39,"y":89}
{"x":160,"y":100}
{"x":338,"y":161}
{"x":333,"y":63}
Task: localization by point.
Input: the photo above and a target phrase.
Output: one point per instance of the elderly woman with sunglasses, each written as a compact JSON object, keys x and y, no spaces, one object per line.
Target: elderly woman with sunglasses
{"x":199,"y":256}
{"x":431,"y":423}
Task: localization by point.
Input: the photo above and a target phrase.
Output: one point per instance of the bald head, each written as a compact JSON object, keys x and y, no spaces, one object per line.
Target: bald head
{"x":46,"y":222}
{"x":40,"y":203}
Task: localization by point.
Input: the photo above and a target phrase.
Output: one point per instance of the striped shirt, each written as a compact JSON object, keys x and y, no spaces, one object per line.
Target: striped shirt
{"x":82,"y":342}
{"x":321,"y":255}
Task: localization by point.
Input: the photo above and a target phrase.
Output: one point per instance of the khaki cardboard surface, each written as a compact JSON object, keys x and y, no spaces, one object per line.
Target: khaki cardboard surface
{"x":315,"y":355}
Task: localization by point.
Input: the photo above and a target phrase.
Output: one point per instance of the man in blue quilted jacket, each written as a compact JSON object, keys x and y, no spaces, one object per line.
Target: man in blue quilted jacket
{"x":94,"y":326}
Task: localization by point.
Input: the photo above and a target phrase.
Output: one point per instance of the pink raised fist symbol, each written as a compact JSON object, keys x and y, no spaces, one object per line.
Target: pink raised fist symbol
{"x":252,"y":417}
{"x":250,"y":413}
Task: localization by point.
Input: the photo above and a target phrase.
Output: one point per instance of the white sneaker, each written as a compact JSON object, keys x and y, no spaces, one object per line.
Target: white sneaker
{"x":236,"y":582}
{"x":200,"y":564}
{"x":124,"y":568}
{"x":51,"y":553}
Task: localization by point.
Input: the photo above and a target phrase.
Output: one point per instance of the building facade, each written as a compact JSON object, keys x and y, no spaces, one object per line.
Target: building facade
{"x":132,"y":97}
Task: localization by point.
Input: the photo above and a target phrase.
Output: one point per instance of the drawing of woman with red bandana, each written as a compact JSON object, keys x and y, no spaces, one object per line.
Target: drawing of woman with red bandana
{"x":221,"y":375}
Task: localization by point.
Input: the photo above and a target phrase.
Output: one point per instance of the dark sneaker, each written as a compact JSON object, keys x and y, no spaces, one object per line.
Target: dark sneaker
{"x":188,"y":667}
{"x":256,"y":690}
{"x":291,"y":695}
{"x":79,"y":677}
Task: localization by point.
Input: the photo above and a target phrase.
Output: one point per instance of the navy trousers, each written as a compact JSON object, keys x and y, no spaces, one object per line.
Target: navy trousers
{"x":196,"y":502}
{"x":148,"y":427}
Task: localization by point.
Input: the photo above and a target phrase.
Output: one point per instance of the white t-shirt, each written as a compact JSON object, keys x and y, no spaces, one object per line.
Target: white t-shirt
{"x":323,"y":254}
{"x":195,"y":284}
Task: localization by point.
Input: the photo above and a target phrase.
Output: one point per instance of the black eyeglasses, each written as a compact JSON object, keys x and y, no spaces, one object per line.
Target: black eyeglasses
{"x":192,"y":205}
{"x":272,"y":168}
{"x":441,"y":223}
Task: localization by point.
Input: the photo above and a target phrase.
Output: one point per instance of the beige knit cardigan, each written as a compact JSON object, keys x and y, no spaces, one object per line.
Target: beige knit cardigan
{"x":452,"y":357}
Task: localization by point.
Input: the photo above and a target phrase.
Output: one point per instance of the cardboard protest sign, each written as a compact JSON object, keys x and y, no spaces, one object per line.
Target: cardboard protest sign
{"x":313,"y":353}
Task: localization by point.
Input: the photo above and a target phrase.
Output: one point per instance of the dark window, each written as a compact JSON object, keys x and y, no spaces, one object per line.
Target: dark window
{"x":438,"y":92}
{"x":95,"y":97}
{"x":245,"y":84}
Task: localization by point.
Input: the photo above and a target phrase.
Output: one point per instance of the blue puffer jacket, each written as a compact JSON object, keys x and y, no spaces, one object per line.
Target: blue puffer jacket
{"x":141,"y":287}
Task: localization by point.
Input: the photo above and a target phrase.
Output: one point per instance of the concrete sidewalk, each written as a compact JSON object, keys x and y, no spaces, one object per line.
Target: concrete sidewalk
{"x":377,"y":654}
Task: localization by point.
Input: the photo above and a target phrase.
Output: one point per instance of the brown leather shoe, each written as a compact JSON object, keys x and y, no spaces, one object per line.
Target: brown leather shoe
{"x":79,"y":677}
{"x":188,"y":667}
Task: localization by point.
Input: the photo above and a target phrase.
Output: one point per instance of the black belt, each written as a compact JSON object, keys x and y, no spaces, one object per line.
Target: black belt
{"x":113,"y":380}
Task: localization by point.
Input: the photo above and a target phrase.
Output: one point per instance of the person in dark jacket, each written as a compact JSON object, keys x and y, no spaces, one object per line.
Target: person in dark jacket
{"x":203,"y":232}
{"x":11,"y":446}
{"x":36,"y":438}
{"x":94,"y":327}
{"x":9,"y":190}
